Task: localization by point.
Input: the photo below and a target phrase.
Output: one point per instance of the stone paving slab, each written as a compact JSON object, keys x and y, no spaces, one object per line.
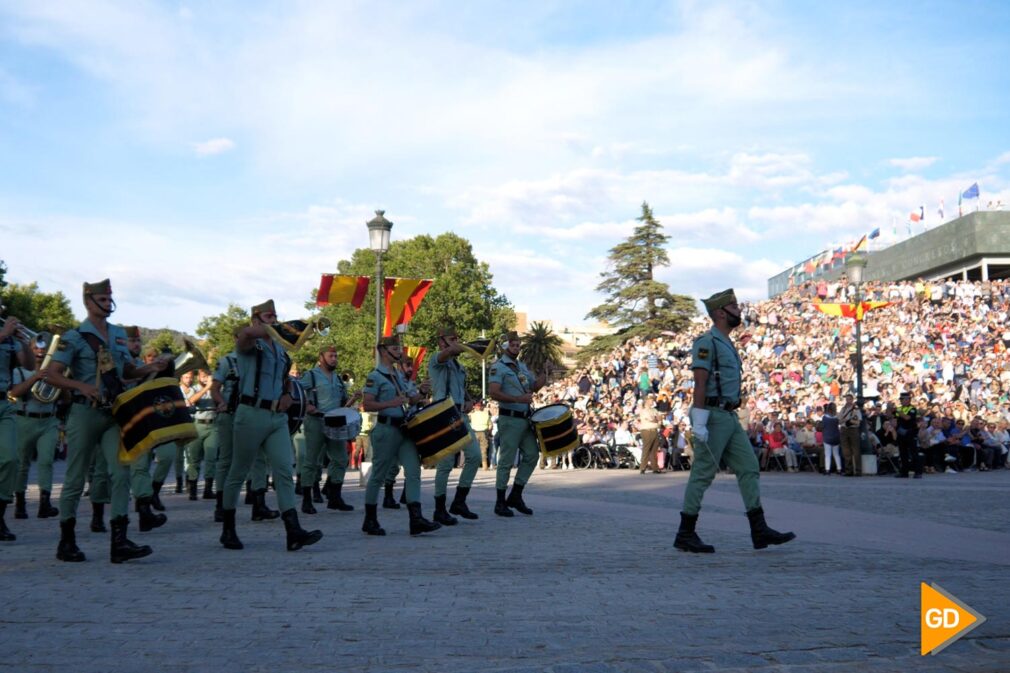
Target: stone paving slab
{"x":590,"y":584}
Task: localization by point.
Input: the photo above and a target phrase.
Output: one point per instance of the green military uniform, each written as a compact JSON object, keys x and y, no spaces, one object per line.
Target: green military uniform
{"x":514,"y":429}
{"x":390,"y":446}
{"x":9,"y":350}
{"x":326,"y":392}
{"x":91,"y":429}
{"x":713,"y":351}
{"x":448,"y":379}
{"x":204,"y":449}
{"x":37,"y":432}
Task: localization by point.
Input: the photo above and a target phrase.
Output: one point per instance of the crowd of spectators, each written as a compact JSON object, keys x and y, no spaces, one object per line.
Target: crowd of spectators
{"x":945,"y":342}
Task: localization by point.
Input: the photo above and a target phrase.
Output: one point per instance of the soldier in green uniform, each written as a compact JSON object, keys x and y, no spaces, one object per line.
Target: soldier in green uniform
{"x":38,"y":432}
{"x":716,"y":429}
{"x":96,"y":355}
{"x":512,"y":384}
{"x":225,"y":392}
{"x":12,"y":351}
{"x":387,"y":392}
{"x":448,"y":379}
{"x":204,"y":449}
{"x":261,"y":421}
{"x":140,"y":470}
{"x":326,"y":391}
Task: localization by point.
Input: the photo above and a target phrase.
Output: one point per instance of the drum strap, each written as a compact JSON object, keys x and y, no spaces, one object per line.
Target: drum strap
{"x":111,"y":383}
{"x":235,"y":386}
{"x":259,"y":367}
{"x":315,"y":391}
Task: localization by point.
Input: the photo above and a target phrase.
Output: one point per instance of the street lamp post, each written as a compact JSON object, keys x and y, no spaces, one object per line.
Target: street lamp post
{"x":378,"y":240}
{"x":854,"y":267}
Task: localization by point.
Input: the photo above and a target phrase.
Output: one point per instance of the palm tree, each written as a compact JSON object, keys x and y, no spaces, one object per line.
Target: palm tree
{"x":541,"y":348}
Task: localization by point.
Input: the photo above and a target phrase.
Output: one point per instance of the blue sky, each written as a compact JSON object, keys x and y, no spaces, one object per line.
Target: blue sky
{"x":201,"y":154}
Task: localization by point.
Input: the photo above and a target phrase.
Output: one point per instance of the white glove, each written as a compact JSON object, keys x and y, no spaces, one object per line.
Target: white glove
{"x":699,"y":423}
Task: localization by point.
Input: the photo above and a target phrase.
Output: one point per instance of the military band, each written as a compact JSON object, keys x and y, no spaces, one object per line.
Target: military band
{"x":13,"y":350}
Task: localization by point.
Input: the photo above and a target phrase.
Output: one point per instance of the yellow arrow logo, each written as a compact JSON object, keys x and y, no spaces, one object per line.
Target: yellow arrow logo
{"x":943,"y":618}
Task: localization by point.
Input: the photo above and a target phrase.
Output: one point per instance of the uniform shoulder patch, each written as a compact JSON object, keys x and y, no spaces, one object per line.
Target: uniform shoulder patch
{"x":370,"y":381}
{"x":62,"y":345}
{"x":494,"y":370}
{"x":703,"y":353}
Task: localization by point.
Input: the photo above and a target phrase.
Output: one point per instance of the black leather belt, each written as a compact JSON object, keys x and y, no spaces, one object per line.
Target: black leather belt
{"x":33,"y":414}
{"x":722,"y":403}
{"x":395,"y":421}
{"x":250,"y":401}
{"x":203,"y":421}
{"x":514,"y":414}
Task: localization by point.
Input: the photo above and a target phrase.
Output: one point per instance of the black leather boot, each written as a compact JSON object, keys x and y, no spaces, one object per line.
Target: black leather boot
{"x":515,"y":500}
{"x":148,"y":519}
{"x":229,"y":538}
{"x":388,"y":501}
{"x":441,"y":515}
{"x":317,"y":494}
{"x":191,"y":485}
{"x":219,"y":507}
{"x":122,"y":549}
{"x":500,"y":507}
{"x":208,"y":488}
{"x":333,"y":498}
{"x":761,"y":534}
{"x":98,"y":518}
{"x":5,"y":534}
{"x":178,"y":484}
{"x":687,"y":539}
{"x":156,"y":496}
{"x":458,"y":505}
{"x":20,"y":509}
{"x":371,"y":523}
{"x":46,"y":509}
{"x":250,"y":498}
{"x":260,"y":511}
{"x":418,"y":524}
{"x":307,"y":507}
{"x":67,"y":549}
{"x":298,"y":537}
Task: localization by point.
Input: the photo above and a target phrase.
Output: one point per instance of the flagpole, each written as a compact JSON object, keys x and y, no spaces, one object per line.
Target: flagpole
{"x":483,"y":375}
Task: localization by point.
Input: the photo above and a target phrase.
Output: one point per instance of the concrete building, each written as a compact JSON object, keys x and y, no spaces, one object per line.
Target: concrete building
{"x":973,"y":247}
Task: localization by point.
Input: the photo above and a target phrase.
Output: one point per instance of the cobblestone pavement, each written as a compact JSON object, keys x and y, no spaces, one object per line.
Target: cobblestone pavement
{"x":589,"y":584}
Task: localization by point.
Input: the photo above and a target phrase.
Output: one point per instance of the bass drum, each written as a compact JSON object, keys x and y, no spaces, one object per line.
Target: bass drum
{"x":555,"y":429}
{"x":296,"y":412}
{"x":438,"y":431}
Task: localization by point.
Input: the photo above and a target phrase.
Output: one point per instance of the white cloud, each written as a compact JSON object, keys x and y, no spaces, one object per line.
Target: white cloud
{"x":213,"y":146}
{"x":913,"y":163}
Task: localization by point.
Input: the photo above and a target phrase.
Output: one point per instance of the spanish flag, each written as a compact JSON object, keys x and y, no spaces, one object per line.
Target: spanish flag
{"x":861,"y":245}
{"x":416,"y":355}
{"x":403,"y":297}
{"x":342,"y":290}
{"x":850,"y":310}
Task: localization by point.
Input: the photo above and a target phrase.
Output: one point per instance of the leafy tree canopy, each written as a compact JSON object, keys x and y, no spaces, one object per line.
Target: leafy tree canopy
{"x":49,"y":311}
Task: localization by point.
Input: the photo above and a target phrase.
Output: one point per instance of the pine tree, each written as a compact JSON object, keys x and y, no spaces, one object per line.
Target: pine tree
{"x":636,"y":302}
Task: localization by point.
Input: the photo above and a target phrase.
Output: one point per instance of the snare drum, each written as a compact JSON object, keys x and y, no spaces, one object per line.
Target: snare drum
{"x":342,"y":423}
{"x":438,"y":431}
{"x":555,"y":429}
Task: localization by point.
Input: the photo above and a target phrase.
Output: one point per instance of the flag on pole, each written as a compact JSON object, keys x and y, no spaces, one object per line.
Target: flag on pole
{"x":335,"y":289}
{"x":856,"y":312}
{"x":971,"y":192}
{"x":416,"y":355}
{"x":914,"y":217}
{"x":861,"y":245}
{"x":403,"y":297}
{"x":875,"y":233}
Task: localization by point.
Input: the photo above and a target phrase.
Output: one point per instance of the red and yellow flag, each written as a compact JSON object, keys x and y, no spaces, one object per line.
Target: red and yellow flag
{"x":849,"y":310}
{"x":342,"y":290}
{"x":861,"y":245}
{"x":416,"y":355}
{"x":403,"y":297}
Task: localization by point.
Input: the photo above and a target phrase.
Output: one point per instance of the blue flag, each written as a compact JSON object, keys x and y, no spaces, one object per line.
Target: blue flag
{"x":971,"y":192}
{"x":875,"y":233}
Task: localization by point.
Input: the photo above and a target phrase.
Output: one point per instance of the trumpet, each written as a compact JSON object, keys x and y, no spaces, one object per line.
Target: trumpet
{"x":293,"y":334}
{"x":23,"y":333}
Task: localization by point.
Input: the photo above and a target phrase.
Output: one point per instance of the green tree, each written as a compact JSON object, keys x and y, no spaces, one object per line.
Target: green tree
{"x":217,"y":332}
{"x":49,"y":311}
{"x":636,"y":302}
{"x":164,"y":341}
{"x":541,"y":349}
{"x":462,"y":292}
{"x":3,"y":272}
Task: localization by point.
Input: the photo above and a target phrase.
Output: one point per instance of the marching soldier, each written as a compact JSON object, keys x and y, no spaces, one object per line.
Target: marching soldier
{"x":387,"y":392}
{"x":717,"y":431}
{"x":512,"y":384}
{"x":204,"y":449}
{"x":261,"y":421}
{"x":38,"y":432}
{"x":13,"y":349}
{"x":141,"y":482}
{"x":97,"y":357}
{"x":224,"y":390}
{"x":448,"y":379}
{"x":326,"y":391}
